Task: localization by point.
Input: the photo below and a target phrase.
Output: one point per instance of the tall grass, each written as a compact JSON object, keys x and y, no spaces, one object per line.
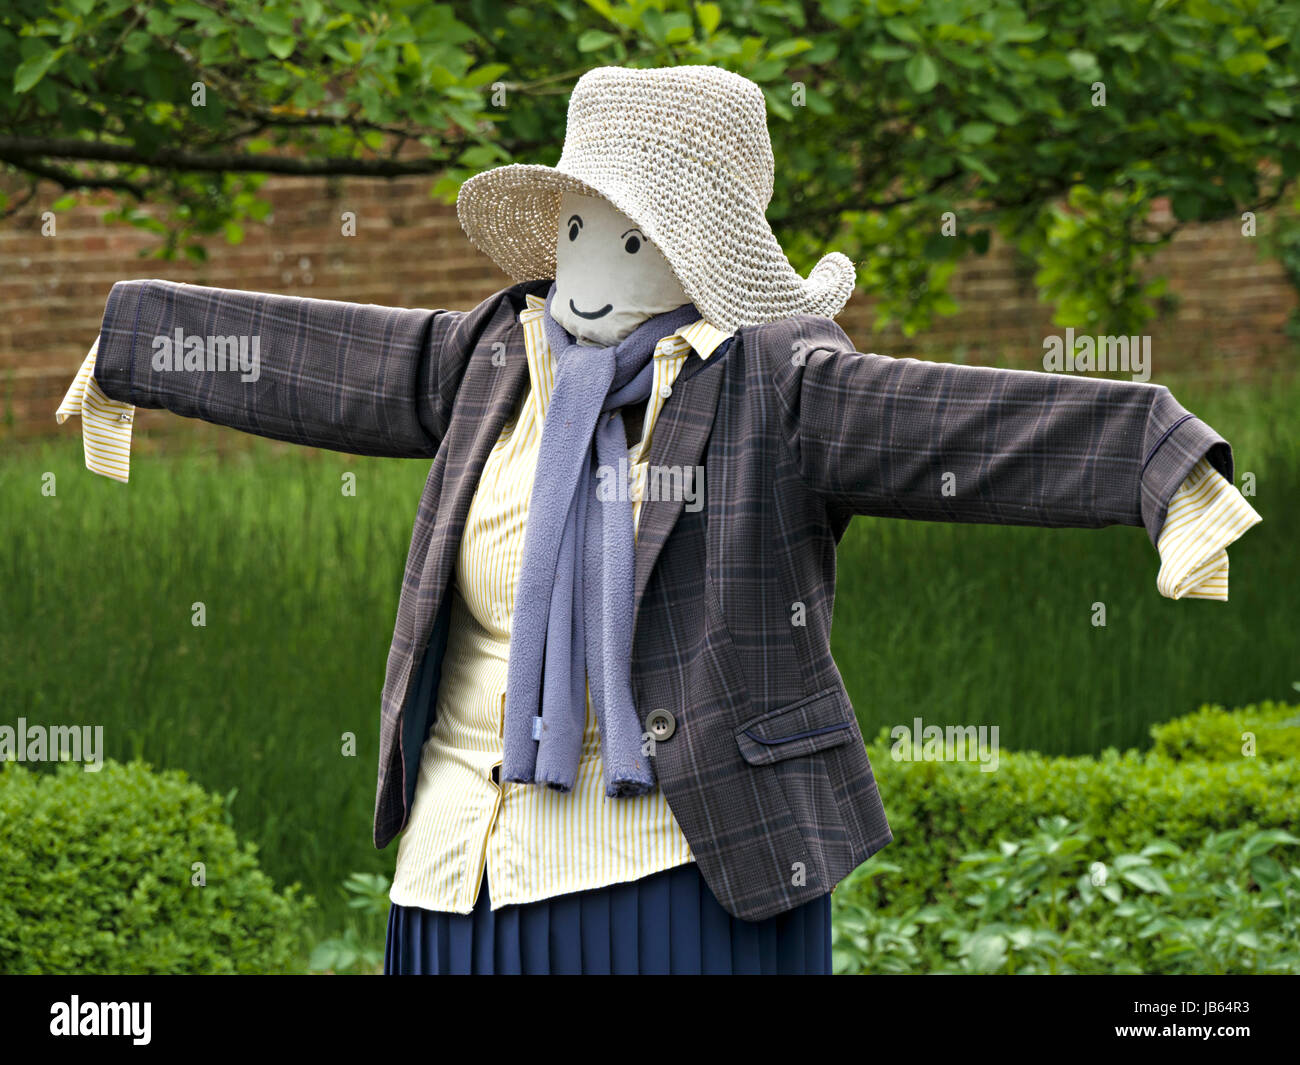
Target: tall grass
{"x":299,"y":584}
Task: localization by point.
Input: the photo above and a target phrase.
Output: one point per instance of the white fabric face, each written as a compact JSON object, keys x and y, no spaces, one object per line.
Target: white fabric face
{"x":608,"y":277}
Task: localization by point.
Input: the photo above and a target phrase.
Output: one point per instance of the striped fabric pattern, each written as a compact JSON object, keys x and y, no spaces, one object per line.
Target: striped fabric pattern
{"x":535,"y":843}
{"x":105,"y":423}
{"x":1206,"y":514}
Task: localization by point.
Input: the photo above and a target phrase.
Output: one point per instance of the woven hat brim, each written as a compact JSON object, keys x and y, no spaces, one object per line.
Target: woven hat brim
{"x":511,"y":213}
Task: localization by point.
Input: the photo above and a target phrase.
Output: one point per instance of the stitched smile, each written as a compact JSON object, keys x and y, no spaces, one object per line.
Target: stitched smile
{"x":591,"y":314}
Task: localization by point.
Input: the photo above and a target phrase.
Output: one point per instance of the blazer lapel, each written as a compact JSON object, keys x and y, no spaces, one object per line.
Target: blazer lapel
{"x":680,"y":434}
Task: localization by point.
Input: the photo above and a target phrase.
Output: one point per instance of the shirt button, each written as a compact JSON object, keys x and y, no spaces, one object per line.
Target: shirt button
{"x":661,"y":724}
{"x":665,"y":391}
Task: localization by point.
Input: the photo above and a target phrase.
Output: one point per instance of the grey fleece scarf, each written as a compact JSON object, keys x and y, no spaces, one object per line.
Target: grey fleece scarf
{"x":572,"y":622}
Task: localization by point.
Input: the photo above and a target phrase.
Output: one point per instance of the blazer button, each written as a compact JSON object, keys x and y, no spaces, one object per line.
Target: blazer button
{"x":661,"y":724}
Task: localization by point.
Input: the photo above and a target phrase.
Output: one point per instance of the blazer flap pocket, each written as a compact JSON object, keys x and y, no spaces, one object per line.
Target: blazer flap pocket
{"x":811,"y":724}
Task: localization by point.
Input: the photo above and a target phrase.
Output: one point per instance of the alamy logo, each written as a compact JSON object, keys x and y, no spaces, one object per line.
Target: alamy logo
{"x":956,"y":743}
{"x":53,"y":743}
{"x":213,"y":354}
{"x":102,"y":1018}
{"x":662,"y":483}
{"x":1088,"y":354}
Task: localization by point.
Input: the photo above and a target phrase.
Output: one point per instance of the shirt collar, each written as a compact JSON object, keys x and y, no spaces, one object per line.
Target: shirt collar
{"x":699,"y":335}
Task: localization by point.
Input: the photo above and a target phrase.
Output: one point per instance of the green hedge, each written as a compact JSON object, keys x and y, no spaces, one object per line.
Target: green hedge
{"x":1192,"y":808}
{"x":1267,"y":731}
{"x":96,"y":876}
{"x":939,"y":811}
{"x":1041,"y":905}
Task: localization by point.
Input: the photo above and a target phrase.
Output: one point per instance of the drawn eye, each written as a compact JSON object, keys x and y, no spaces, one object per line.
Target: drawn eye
{"x":575,"y":227}
{"x":633,"y":245}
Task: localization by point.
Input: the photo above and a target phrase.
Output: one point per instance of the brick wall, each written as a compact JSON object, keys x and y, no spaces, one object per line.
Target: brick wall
{"x":409,"y":251}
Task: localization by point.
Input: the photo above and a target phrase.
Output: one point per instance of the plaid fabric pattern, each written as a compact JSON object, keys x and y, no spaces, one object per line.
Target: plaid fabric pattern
{"x":796,"y":432}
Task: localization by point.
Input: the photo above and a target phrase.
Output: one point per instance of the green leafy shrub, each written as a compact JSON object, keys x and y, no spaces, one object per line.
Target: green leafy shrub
{"x":1214,"y":734}
{"x":1173,"y":860}
{"x":357,"y":949}
{"x":96,"y":876}
{"x":1040,"y":905}
{"x":940,"y":811}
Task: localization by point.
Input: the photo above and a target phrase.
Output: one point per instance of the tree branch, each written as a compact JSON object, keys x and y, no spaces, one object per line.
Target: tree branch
{"x":70,"y":179}
{"x":27,"y":153}
{"x":18,"y":205}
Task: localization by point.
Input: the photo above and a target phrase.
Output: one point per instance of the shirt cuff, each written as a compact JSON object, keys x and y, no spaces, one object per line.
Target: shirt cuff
{"x":1205,"y":515}
{"x":105,"y":423}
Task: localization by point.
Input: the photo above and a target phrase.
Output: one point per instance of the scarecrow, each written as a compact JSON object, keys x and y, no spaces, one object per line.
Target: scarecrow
{"x":603,"y":740}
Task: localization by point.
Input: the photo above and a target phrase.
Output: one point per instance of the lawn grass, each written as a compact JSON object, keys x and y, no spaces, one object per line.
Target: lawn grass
{"x":299,"y":583}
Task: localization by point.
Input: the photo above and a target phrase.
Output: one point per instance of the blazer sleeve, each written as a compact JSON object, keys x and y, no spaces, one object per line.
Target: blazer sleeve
{"x":943,"y":442}
{"x":351,"y":377}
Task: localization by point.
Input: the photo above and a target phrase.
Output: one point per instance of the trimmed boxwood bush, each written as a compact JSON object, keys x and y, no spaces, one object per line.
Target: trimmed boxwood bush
{"x":940,"y":811}
{"x":1039,"y":905}
{"x":96,"y":875}
{"x":997,"y":872}
{"x":1214,"y":734}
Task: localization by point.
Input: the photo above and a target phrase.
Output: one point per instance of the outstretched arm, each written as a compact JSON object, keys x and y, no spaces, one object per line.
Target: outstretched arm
{"x":942,"y":442}
{"x":346,"y":376}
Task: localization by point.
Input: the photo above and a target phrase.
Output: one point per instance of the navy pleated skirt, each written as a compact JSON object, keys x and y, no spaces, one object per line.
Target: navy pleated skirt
{"x":667,"y":924}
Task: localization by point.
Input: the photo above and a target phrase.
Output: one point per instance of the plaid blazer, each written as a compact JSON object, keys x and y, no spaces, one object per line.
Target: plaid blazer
{"x":766,"y":770}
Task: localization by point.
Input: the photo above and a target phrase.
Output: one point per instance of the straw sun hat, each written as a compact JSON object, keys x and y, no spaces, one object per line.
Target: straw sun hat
{"x":684,"y":153}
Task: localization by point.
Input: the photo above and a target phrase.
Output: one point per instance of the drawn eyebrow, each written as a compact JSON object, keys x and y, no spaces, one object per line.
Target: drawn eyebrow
{"x":632,"y":230}
{"x":572,"y":219}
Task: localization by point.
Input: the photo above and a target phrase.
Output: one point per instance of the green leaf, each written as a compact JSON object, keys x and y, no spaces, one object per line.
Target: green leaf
{"x":1246,"y":63}
{"x":254,"y":44}
{"x":791,"y":47}
{"x":710,"y":15}
{"x":483,"y":75}
{"x":1081,"y":61}
{"x":594,"y":40}
{"x":653,"y":23}
{"x":921,"y":73}
{"x":988,"y":951}
{"x":1148,"y":880}
{"x":973,"y":162}
{"x":190,"y":10}
{"x":903,"y":30}
{"x":1000,"y":110}
{"x":281,"y":47}
{"x":1130,"y":42}
{"x":1266,"y":870}
{"x":1023,"y":34}
{"x":31,"y":70}
{"x":978,"y":132}
{"x":887,"y":53}
{"x":1261,"y":842}
{"x":678,"y":28}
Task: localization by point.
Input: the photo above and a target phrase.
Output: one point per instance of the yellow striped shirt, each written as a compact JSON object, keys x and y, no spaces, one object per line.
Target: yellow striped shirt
{"x":105,"y":423}
{"x":1205,"y":515}
{"x":534,"y":842}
